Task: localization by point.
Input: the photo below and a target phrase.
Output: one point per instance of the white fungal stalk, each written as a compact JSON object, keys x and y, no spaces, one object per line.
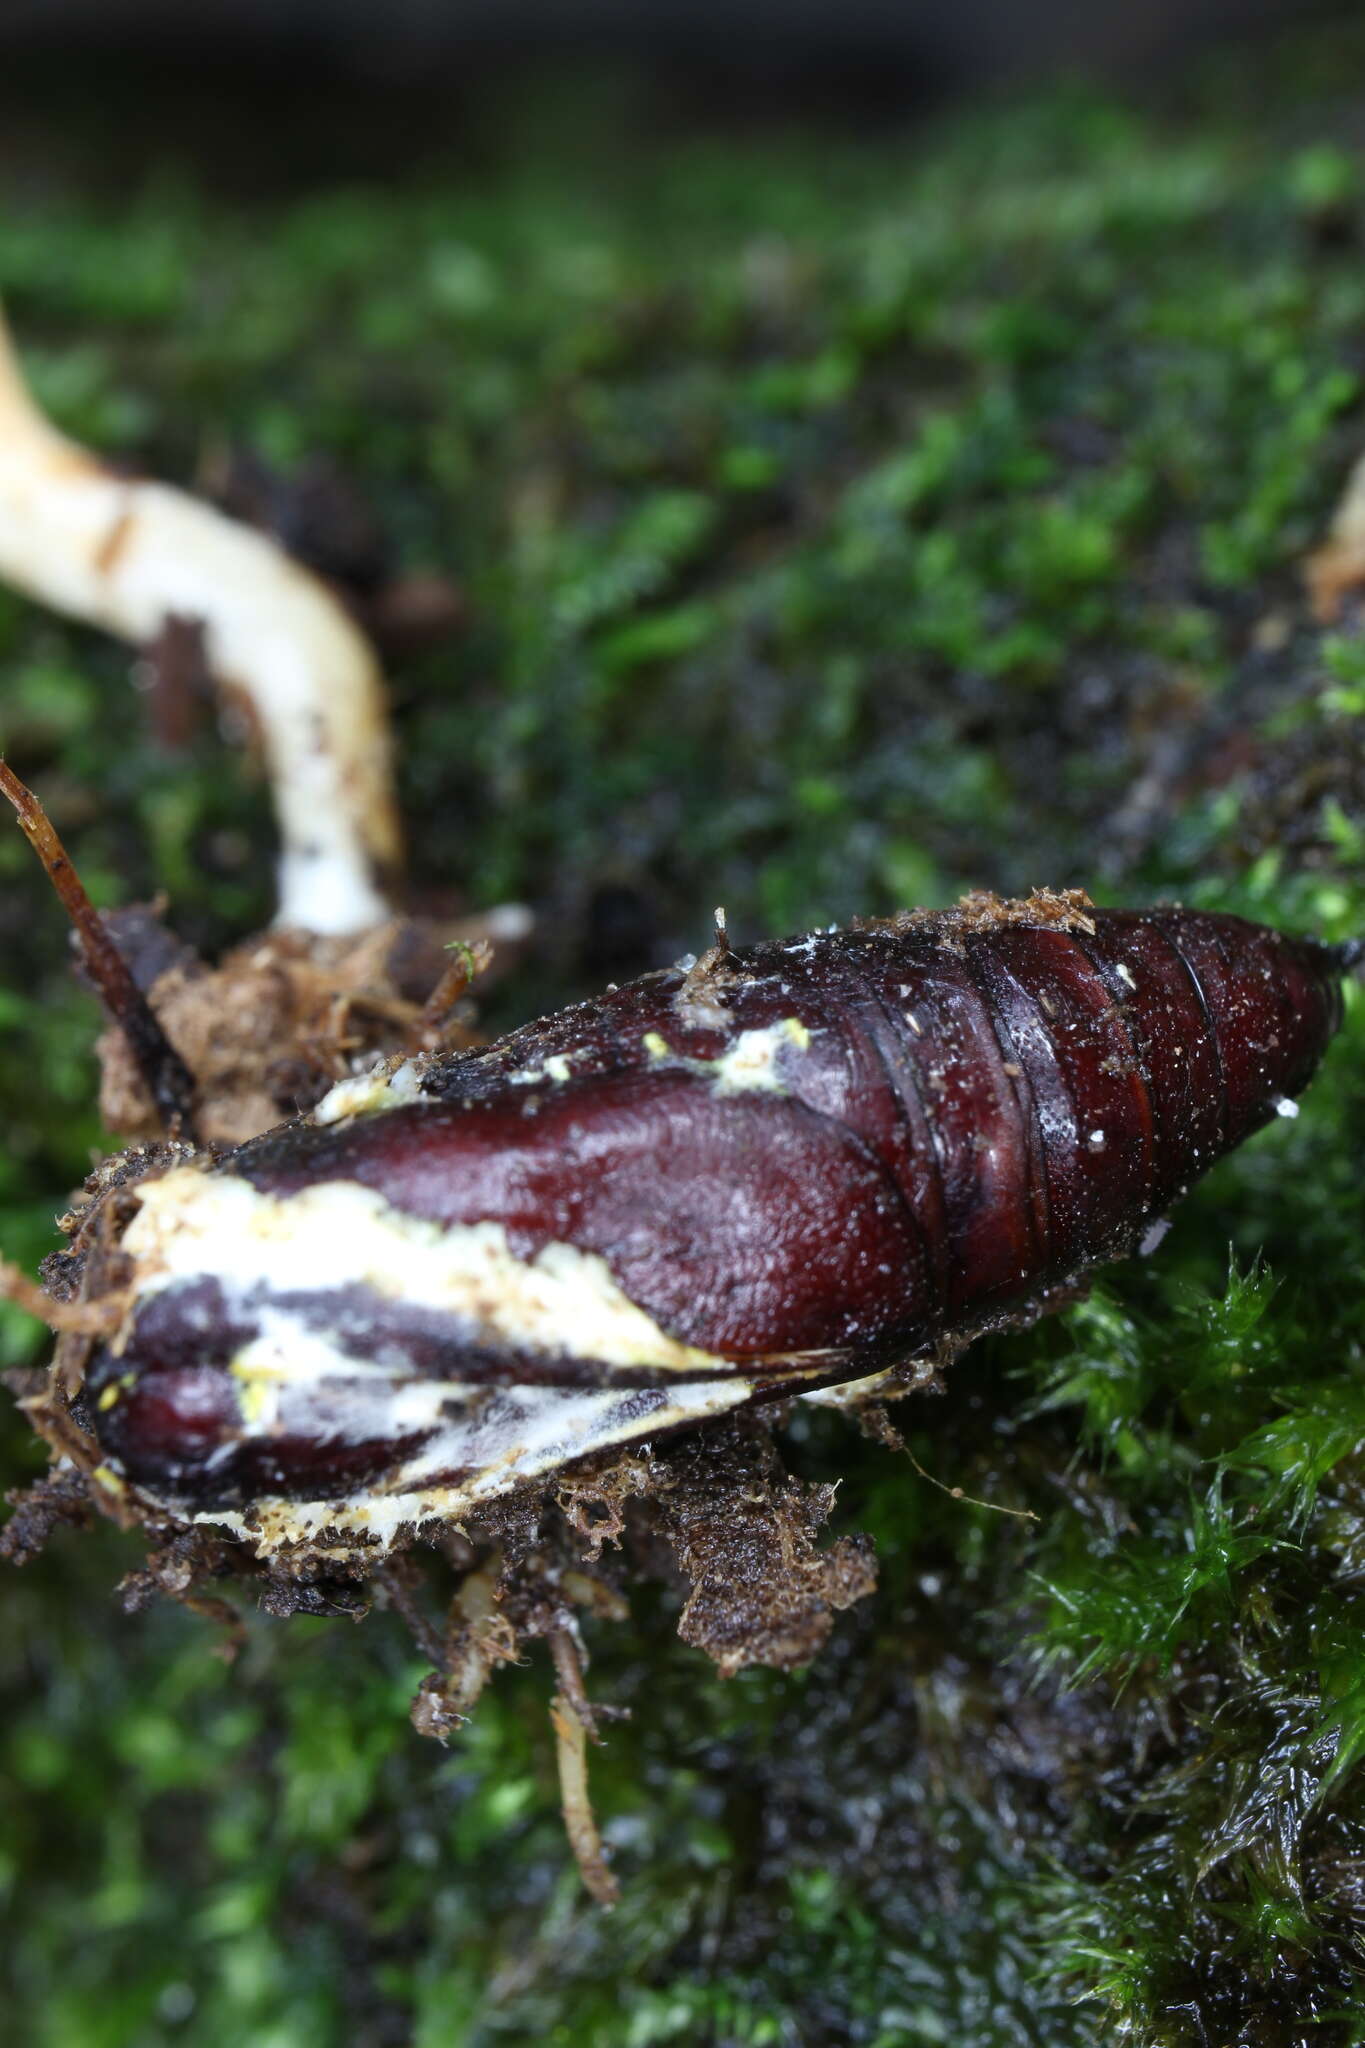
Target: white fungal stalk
{"x":127,"y":554}
{"x":1336,"y":570}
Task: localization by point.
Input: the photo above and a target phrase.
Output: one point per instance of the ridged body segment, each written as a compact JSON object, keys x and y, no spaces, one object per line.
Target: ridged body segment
{"x":795,"y":1165}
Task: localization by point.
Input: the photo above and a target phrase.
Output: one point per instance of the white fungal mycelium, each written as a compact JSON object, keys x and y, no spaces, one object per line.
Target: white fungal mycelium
{"x":193,"y":1225}
{"x":504,"y":1436}
{"x":295,"y":1374}
{"x":755,"y":1059}
{"x":384,"y":1086}
{"x":557,"y":1067}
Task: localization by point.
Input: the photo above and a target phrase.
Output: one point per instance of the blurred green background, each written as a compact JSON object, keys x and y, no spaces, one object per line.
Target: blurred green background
{"x":845,"y":514}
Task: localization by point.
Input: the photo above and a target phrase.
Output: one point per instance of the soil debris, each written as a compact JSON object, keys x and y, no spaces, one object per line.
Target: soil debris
{"x":744,"y":1536}
{"x":980,"y":910}
{"x":282,"y":1017}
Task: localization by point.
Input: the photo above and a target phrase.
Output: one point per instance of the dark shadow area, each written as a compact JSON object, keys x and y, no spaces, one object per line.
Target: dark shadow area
{"x":275,"y":95}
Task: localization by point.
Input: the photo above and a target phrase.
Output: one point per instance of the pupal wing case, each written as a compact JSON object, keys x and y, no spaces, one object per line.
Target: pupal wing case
{"x":782,"y":1169}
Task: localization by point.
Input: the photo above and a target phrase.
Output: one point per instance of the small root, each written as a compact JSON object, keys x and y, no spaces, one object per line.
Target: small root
{"x":74,"y":1318}
{"x":396,"y":1577}
{"x":224,"y":1616}
{"x":971,"y":1500}
{"x":61,"y":1499}
{"x":568,"y":1665}
{"x":478,"y":1638}
{"x":580,"y":1822}
{"x":594,"y":1596}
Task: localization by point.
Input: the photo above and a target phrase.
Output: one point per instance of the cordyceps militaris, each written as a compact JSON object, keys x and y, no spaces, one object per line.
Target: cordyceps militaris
{"x":808,"y":1168}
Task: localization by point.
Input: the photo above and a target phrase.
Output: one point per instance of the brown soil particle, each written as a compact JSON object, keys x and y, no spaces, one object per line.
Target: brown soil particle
{"x":744,"y":1536}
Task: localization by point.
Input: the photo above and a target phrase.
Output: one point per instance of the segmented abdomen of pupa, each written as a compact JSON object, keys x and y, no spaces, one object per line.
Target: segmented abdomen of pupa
{"x":786,"y":1169}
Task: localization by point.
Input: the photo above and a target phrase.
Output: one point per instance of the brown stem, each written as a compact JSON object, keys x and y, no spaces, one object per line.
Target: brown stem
{"x":168,"y":1079}
{"x":470,"y":960}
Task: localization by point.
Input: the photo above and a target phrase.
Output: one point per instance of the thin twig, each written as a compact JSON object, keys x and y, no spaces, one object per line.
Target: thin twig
{"x":169,"y":1081}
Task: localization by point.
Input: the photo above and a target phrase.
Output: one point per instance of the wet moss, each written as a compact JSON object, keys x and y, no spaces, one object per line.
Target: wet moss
{"x":842,"y":522}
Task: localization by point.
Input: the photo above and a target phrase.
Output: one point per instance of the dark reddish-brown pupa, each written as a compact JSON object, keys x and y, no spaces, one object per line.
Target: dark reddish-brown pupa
{"x":784,"y":1169}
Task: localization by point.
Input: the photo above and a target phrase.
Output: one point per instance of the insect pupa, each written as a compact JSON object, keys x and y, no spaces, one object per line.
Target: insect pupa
{"x":751,"y":1180}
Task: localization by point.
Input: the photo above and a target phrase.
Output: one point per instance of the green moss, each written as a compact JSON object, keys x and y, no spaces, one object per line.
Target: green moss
{"x":842,"y":521}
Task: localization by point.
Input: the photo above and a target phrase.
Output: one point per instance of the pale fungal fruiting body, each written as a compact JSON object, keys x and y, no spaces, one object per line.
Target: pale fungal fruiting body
{"x":127,"y":554}
{"x":789,"y":1169}
{"x":1336,"y":570}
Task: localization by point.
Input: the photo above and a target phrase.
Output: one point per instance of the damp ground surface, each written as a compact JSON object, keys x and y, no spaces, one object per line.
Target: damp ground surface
{"x":842,"y":520}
